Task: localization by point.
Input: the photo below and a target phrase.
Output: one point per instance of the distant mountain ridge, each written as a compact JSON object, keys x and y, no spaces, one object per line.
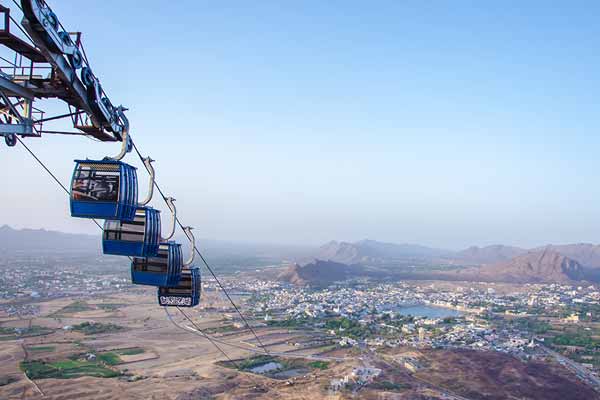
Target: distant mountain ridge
{"x":542,"y":266}
{"x":228,"y":255}
{"x":488,"y":254}
{"x":494,"y":263}
{"x":366,"y":258}
{"x":41,"y":240}
{"x":373,"y":252}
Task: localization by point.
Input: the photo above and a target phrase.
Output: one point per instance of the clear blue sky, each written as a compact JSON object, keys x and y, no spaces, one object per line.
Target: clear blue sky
{"x":443,"y":123}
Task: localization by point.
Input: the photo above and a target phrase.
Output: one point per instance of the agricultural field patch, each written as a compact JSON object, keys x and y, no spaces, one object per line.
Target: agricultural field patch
{"x":9,"y":333}
{"x":66,"y":369}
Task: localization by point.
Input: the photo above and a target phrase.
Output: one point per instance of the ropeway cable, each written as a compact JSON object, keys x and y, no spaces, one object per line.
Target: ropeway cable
{"x":164,"y":198}
{"x":206,"y":336}
{"x":18,"y":5}
{"x":63,"y":187}
{"x":205,"y":262}
{"x":197,"y":331}
{"x":208,"y":267}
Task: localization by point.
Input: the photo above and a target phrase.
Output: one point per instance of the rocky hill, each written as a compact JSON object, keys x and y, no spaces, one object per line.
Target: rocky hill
{"x":487,"y":255}
{"x":495,"y":263}
{"x":586,"y":254}
{"x":371,"y":252}
{"x":543,"y":266}
{"x":319,"y":272}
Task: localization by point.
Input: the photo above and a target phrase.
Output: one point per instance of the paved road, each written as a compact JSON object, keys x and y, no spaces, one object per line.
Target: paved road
{"x":582,"y":372}
{"x":259,"y":351}
{"x":37,"y":388}
{"x":448,"y":394}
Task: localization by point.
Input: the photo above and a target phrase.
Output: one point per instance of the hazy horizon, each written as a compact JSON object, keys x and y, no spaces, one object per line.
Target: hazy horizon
{"x":447,"y":126}
{"x":247,"y":242}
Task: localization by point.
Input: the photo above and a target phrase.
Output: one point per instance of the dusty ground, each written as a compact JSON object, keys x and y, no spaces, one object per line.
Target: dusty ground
{"x":492,"y":375}
{"x":180,"y":365}
{"x":175,"y":361}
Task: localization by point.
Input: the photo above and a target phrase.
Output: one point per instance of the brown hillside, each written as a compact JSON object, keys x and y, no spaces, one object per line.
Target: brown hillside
{"x":545,"y":265}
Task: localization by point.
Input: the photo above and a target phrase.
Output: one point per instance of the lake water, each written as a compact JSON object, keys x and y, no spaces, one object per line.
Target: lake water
{"x":429,"y":311}
{"x":268,"y":367}
{"x":290,"y":373}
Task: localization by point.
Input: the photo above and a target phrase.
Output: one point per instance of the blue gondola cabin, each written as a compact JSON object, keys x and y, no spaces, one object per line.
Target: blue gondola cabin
{"x":162,"y":270}
{"x":137,"y":238}
{"x":185,"y":294}
{"x":104,"y":189}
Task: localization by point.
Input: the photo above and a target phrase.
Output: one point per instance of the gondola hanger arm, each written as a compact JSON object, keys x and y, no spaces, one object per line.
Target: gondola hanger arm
{"x":125,"y":138}
{"x":171,"y":203}
{"x":148,"y":164}
{"x":192,"y":239}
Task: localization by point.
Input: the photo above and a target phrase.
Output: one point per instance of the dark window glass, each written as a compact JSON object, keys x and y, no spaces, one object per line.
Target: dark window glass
{"x":150,"y":264}
{"x":129,"y":231}
{"x":96,"y":183}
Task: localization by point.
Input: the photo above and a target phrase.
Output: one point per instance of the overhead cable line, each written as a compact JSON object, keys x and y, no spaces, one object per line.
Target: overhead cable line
{"x":205,"y":335}
{"x":18,"y":5}
{"x":250,"y":349}
{"x":63,"y":187}
{"x":21,"y":29}
{"x":205,"y":262}
{"x":51,"y":35}
{"x":197,"y":331}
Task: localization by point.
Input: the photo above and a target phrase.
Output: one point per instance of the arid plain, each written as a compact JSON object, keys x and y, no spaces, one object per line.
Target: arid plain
{"x":144,"y":355}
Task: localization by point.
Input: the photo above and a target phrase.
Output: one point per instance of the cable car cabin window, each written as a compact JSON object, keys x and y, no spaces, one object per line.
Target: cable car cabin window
{"x":96,"y":182}
{"x":151,"y":264}
{"x":137,"y":238}
{"x":133,"y":231}
{"x":183,"y":289}
{"x":161,"y":270}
